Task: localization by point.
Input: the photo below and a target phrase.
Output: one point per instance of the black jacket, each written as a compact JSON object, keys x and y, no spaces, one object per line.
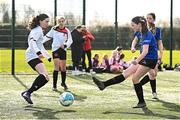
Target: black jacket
{"x":78,"y":40}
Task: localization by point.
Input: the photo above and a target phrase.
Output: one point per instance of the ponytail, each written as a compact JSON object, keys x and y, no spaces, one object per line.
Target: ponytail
{"x":142,"y":21}
{"x":36,"y":21}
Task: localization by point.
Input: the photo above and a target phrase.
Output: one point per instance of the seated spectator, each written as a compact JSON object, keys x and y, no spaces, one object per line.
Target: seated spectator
{"x":105,"y":63}
{"x":123,"y":63}
{"x":119,"y":51}
{"x":95,"y":64}
{"x":114,"y":65}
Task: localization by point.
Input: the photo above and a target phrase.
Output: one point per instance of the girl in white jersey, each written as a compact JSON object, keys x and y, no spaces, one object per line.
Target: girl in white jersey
{"x":35,"y":52}
{"x":62,"y":40}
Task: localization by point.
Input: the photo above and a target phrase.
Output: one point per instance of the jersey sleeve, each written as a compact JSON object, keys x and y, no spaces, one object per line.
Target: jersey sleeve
{"x":45,"y":53}
{"x":34,"y":36}
{"x":33,"y":45}
{"x":137,"y":34}
{"x":48,"y":36}
{"x":147,"y":39}
{"x":69,"y":40}
{"x":158,"y":34}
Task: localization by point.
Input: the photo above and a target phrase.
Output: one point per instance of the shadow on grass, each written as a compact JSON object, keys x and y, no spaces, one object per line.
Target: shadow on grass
{"x":19,"y":81}
{"x":146,"y":112}
{"x":170,"y":106}
{"x":76,"y":97}
{"x":45,"y":113}
{"x":83,"y":78}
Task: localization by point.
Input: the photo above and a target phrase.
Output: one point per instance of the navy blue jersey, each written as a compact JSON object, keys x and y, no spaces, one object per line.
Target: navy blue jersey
{"x":156,"y":32}
{"x":148,"y":39}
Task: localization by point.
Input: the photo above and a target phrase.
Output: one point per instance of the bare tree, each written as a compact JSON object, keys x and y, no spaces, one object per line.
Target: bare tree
{"x":28,"y":12}
{"x":176,"y":22}
{"x":4,"y":9}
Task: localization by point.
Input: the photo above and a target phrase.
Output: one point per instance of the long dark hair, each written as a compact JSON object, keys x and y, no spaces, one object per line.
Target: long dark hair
{"x":142,"y":20}
{"x":154,"y":17}
{"x":35,"y":21}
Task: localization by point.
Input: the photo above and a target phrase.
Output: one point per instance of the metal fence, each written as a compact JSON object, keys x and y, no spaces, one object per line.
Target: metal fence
{"x":109,"y":22}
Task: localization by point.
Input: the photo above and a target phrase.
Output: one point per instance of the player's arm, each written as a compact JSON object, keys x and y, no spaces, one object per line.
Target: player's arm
{"x":160,"y":46}
{"x":142,"y":55}
{"x":159,"y":43}
{"x":133,"y":45}
{"x":48,"y":36}
{"x":33,"y":45}
{"x":45,"y":54}
{"x":90,"y":36}
{"x":69,"y":40}
{"x":34,"y":36}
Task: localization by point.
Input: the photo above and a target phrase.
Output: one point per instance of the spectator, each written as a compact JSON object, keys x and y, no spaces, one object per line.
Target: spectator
{"x":105,"y":63}
{"x":87,"y":48}
{"x":77,"y":47}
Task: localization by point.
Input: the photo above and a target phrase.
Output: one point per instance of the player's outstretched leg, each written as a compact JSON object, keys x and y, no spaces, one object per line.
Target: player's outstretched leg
{"x":99,"y":83}
{"x":103,"y":84}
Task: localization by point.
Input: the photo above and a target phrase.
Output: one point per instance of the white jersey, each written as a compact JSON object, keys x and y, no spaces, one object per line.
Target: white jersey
{"x":35,"y":44}
{"x":60,"y":37}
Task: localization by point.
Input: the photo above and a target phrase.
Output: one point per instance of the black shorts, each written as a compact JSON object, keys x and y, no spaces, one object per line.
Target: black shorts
{"x":151,"y":63}
{"x":34,"y":62}
{"x":59,"y":53}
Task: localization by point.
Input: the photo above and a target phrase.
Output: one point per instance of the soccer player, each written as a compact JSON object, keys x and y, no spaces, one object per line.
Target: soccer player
{"x":141,"y":65}
{"x":35,"y":52}
{"x":151,"y":17}
{"x":62,"y":40}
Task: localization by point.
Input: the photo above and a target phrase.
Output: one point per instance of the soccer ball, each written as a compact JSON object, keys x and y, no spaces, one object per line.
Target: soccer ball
{"x":66,"y":99}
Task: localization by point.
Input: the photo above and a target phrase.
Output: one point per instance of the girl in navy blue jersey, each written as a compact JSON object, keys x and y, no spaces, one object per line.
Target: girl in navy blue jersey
{"x":141,"y":65}
{"x":151,"y":17}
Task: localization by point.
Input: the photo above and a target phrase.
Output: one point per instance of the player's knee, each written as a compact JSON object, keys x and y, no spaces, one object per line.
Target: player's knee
{"x":56,"y":68}
{"x":152,"y":76}
{"x":135,"y":81}
{"x":63,"y":70}
{"x":46,"y":76}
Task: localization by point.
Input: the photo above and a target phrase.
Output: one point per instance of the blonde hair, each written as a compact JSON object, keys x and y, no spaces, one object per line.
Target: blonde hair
{"x":60,"y":17}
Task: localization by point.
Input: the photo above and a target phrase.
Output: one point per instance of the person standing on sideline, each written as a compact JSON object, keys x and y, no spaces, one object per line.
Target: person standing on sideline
{"x":141,"y":65}
{"x":87,"y":48}
{"x":62,"y":40}
{"x":35,"y":52}
{"x":151,"y":17}
{"x":77,"y":47}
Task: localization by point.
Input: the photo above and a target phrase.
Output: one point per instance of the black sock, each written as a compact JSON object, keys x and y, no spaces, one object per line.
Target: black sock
{"x":115,"y":80}
{"x":145,"y":80}
{"x":153,"y":85}
{"x":139,"y":92}
{"x":55,"y":77}
{"x":63,"y":76}
{"x":38,"y":83}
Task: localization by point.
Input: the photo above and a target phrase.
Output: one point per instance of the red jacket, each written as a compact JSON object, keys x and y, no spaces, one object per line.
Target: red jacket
{"x":87,"y":44}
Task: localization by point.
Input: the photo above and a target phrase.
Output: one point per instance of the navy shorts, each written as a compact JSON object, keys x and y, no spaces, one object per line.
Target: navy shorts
{"x":59,"y":53}
{"x":151,"y":63}
{"x":34,"y":62}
